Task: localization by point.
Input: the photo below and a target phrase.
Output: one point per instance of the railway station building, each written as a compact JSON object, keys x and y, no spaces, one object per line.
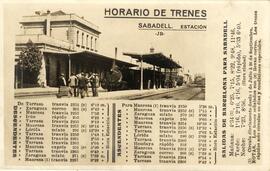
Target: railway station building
{"x":68,"y":43}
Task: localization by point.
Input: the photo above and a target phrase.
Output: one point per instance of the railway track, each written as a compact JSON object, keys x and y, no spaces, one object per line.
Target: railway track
{"x":196,"y":95}
{"x":188,"y":93}
{"x":156,"y":94}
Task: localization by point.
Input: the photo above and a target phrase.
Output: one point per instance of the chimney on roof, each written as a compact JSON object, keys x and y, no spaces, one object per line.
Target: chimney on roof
{"x":152,"y":50}
{"x":115,"y":53}
{"x":37,"y":12}
{"x":115,"y":57}
{"x":170,"y":56}
{"x":48,"y":23}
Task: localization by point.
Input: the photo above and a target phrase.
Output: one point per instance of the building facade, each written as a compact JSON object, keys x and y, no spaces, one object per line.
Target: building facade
{"x":59,"y":31}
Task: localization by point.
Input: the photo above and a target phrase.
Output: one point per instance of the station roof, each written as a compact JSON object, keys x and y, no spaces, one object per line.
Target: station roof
{"x":93,"y":56}
{"x":157,"y":59}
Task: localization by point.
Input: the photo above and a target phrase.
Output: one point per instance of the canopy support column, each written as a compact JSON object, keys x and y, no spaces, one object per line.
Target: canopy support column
{"x":170,"y":82}
{"x":69,"y":65}
{"x":165,"y":78}
{"x":160,"y":76}
{"x":22,"y":69}
{"x":154,"y":79}
{"x":170,"y":74}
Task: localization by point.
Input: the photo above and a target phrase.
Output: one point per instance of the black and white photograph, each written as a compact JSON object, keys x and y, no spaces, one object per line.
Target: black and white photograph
{"x":85,"y":53}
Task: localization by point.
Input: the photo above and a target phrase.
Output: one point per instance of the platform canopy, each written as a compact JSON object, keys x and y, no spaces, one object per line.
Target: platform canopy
{"x":92,"y":56}
{"x":157,"y":59}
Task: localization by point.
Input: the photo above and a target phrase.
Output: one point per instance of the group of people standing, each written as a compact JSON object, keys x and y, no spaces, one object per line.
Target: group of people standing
{"x":79,"y":84}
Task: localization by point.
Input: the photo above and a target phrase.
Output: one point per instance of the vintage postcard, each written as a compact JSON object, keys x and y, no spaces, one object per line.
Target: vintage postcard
{"x":146,"y":85}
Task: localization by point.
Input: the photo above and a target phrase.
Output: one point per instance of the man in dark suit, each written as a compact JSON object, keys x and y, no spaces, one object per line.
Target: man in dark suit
{"x":62,"y":80}
{"x":82,"y":84}
{"x":62,"y":89}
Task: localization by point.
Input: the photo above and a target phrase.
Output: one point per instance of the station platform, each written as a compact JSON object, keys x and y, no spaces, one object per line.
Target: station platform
{"x":51,"y":92}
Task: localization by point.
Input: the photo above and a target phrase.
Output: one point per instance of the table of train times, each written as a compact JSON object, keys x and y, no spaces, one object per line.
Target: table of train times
{"x":98,"y":132}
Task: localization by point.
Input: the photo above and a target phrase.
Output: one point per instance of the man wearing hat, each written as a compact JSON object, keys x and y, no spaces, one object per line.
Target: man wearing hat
{"x":94,"y":84}
{"x":62,"y":80}
{"x":82,"y":84}
{"x":62,"y":91}
{"x":73,"y":82}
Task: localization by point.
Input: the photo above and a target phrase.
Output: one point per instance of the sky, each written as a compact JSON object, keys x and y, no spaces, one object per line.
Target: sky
{"x":190,"y":49}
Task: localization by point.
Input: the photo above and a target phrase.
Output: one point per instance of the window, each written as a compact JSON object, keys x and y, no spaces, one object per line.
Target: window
{"x":91,"y":42}
{"x":77,"y":38}
{"x":87,"y":41}
{"x":95,"y":44}
{"x":82,"y":38}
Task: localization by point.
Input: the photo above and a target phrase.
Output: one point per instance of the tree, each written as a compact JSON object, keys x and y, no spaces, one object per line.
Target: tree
{"x":30,"y":61}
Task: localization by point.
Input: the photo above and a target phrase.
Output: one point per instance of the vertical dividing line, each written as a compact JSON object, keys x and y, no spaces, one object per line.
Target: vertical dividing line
{"x":108,"y":152}
{"x":108,"y":156}
{"x":215,"y":162}
{"x":113,"y":132}
{"x":215,"y":111}
{"x":215,"y":158}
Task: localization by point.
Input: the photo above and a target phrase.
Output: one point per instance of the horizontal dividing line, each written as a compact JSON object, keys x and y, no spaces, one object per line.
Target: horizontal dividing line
{"x":171,"y":30}
{"x":166,"y":18}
